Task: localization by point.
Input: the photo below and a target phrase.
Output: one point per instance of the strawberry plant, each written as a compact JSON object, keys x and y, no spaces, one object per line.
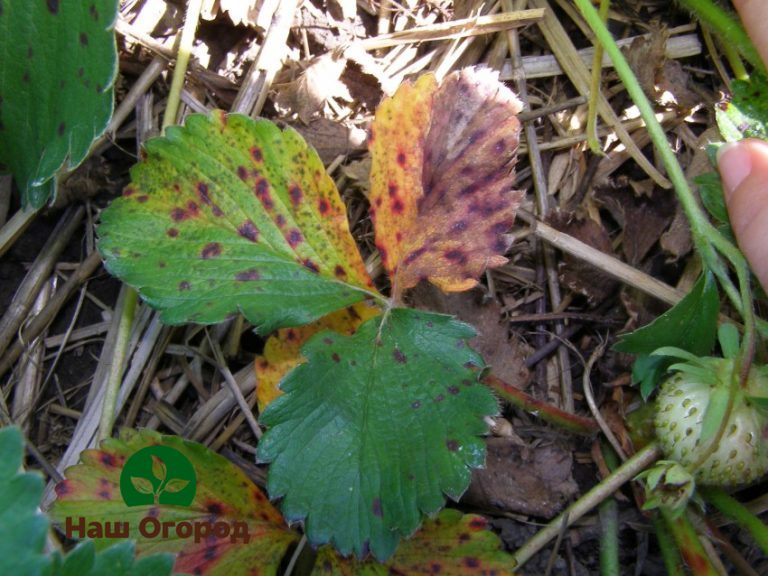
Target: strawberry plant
{"x":229,"y":215}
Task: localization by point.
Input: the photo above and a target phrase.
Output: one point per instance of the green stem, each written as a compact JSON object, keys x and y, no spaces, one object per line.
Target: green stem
{"x":108,"y":408}
{"x":594,"y":89}
{"x":669,"y":552}
{"x":707,"y":239}
{"x":553,"y":415}
{"x":727,"y":26}
{"x":732,"y":55}
{"x":182,"y":62}
{"x":689,"y":545}
{"x":735,"y":510}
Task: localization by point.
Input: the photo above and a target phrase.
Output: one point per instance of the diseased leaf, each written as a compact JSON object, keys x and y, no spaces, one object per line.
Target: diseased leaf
{"x":23,"y":530}
{"x":224,"y":494}
{"x":57,"y":64}
{"x":282,"y":351}
{"x":229,"y":214}
{"x":441,"y":178}
{"x":451,"y":545}
{"x":375,"y":429}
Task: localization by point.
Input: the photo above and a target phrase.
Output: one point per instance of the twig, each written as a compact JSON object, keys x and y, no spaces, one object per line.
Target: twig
{"x":38,"y":274}
{"x":15,"y":227}
{"x":455,"y":29}
{"x":596,"y":414}
{"x":39,"y":322}
{"x":542,"y":195}
{"x":595,"y":496}
{"x":253,"y":92}
{"x":578,"y":73}
{"x":608,"y":264}
{"x":235,"y":389}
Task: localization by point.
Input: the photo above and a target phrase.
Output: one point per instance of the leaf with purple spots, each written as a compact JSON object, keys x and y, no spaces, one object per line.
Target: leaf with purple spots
{"x":229,"y":214}
{"x":58,"y":61}
{"x":453,"y":544}
{"x":375,"y":429}
{"x":224,"y":494}
{"x":282,"y":351}
{"x":442,"y":172}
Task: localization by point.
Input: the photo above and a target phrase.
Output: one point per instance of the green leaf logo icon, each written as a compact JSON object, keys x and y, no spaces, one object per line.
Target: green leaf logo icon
{"x":158,"y":475}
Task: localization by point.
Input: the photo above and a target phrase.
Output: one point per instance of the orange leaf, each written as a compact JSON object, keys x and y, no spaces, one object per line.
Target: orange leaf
{"x":282,"y":352}
{"x":441,"y":179}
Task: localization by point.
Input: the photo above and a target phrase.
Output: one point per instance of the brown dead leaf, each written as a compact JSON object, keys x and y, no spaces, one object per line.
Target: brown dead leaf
{"x":643,"y":219}
{"x":646,"y":58}
{"x":535,"y":481}
{"x":331,"y":139}
{"x":307,"y":95}
{"x":343,"y":9}
{"x":503,"y":352}
{"x":574,"y":273}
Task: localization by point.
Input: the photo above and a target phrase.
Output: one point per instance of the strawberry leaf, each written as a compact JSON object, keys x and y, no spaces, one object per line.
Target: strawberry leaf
{"x":441,"y":178}
{"x":230,"y":214}
{"x":746,"y":115}
{"x":57,"y":64}
{"x":451,"y":544}
{"x":282,"y":351}
{"x":376,"y":428}
{"x":22,"y":526}
{"x":224,"y":494}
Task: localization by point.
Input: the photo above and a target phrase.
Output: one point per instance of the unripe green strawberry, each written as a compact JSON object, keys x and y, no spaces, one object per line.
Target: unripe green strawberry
{"x":741,"y":455}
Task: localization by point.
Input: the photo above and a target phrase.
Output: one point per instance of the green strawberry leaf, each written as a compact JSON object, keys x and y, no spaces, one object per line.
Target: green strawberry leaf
{"x":711,"y":193}
{"x":451,"y":544}
{"x":256,"y":535}
{"x":730,"y":342}
{"x":376,"y":428}
{"x":57,"y":64}
{"x":746,"y":115}
{"x":690,"y":325}
{"x":22,"y":526}
{"x":229,"y":214}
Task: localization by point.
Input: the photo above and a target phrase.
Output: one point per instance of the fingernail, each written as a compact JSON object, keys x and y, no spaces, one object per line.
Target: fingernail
{"x":735,"y":163}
